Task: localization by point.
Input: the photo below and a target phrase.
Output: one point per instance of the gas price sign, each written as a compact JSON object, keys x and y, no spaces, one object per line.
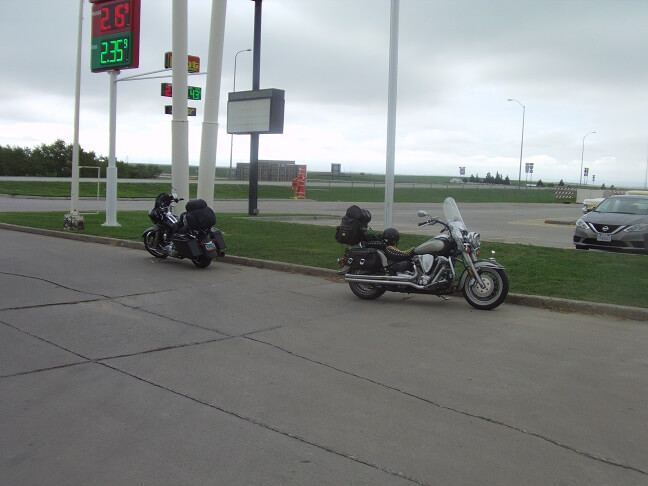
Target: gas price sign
{"x":193,"y":92}
{"x":115,"y":34}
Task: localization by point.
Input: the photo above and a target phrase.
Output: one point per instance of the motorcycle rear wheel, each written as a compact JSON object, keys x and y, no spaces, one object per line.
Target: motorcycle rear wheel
{"x":365,"y":291}
{"x":201,"y":261}
{"x":152,"y":245}
{"x":497,"y":287}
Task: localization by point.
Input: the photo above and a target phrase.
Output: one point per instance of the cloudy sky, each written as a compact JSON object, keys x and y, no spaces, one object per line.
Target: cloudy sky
{"x":577,"y":65}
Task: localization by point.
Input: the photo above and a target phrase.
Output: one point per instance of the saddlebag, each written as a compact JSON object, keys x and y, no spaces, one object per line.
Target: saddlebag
{"x":186,"y":247}
{"x":353,"y":226}
{"x":365,"y":258}
{"x":217,"y":237}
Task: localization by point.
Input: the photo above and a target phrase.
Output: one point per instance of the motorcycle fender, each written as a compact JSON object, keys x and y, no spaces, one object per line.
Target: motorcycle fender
{"x":152,"y":228}
{"x":478,"y":264}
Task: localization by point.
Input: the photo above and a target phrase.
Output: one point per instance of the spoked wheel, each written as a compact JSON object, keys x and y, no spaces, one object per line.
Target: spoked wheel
{"x":152,"y":244}
{"x":365,"y":291}
{"x":201,"y":261}
{"x":496,"y":287}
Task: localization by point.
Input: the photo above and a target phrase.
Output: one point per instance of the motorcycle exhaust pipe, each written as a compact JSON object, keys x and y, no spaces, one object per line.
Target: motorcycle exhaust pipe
{"x":381,"y":278}
{"x":384,"y":280}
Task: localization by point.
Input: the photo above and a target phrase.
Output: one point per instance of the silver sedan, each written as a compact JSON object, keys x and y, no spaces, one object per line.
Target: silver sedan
{"x":617,"y":223}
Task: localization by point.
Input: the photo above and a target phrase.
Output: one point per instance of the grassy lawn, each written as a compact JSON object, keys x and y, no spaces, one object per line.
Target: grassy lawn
{"x":581,"y":275}
{"x":224,"y":190}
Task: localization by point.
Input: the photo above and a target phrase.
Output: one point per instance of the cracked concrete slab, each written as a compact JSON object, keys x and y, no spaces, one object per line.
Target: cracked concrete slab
{"x":89,"y":424}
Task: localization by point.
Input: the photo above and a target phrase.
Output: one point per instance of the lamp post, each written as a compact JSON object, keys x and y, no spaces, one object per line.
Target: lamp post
{"x":234,"y":89}
{"x":522,"y":140}
{"x":580,"y":181}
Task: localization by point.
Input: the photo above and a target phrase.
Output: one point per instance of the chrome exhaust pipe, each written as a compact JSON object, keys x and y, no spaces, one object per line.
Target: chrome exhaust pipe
{"x":381,"y":278}
{"x":406,"y":283}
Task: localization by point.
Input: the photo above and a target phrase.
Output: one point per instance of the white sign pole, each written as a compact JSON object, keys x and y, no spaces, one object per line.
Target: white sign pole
{"x":111,"y":170}
{"x":209,"y":138}
{"x":391,"y":112}
{"x":179,"y":123}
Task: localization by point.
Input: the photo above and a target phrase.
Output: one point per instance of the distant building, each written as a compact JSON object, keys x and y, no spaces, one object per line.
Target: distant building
{"x":454,"y":180}
{"x":269,"y":170}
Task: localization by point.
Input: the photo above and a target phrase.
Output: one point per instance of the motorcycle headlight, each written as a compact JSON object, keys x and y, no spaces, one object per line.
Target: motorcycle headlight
{"x":635,"y":228}
{"x":581,"y":224}
{"x":474,"y":239}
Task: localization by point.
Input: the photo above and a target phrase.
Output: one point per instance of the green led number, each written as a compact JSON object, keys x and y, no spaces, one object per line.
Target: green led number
{"x":112,"y":51}
{"x":104,"y":51}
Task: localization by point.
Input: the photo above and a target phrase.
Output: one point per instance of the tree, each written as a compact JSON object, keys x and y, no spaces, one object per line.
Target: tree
{"x":539,"y":183}
{"x":561,"y":183}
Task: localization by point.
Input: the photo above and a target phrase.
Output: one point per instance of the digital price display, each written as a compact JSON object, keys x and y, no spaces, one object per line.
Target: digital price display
{"x":193,"y":62}
{"x":191,"y":111}
{"x":194,"y":92}
{"x":115,"y":34}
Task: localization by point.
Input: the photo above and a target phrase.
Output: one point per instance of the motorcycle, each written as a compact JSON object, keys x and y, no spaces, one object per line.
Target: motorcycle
{"x":373,"y":266}
{"x":192,"y":235}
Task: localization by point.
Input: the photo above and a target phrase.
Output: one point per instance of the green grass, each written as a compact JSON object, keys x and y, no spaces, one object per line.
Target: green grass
{"x":224,"y":190}
{"x":582,"y":275}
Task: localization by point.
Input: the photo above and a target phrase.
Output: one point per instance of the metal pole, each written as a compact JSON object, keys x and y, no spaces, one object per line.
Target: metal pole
{"x":179,"y":123}
{"x":74,"y":192}
{"x":229,"y":175}
{"x":111,"y":170}
{"x":392,"y":91}
{"x":522,"y":139}
{"x":580,"y":181}
{"x":254,"y":138}
{"x":209,"y":138}
{"x":646,"y":176}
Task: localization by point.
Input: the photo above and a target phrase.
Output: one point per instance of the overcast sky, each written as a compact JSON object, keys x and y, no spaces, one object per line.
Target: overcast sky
{"x":577,"y":65}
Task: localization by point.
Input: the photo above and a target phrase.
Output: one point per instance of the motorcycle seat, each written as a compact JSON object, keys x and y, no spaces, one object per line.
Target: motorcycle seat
{"x":396,"y":255}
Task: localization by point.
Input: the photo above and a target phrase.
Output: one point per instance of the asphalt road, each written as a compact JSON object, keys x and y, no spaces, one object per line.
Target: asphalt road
{"x":116,"y":368}
{"x":500,"y":222}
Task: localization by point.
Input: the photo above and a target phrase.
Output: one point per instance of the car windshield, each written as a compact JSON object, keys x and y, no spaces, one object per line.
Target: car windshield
{"x":624,"y":205}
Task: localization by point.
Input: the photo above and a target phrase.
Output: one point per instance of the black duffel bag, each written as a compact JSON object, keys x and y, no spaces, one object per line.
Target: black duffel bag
{"x":353,"y":227}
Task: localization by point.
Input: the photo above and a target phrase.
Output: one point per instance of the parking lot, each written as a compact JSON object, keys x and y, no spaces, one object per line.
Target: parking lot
{"x":116,"y":368}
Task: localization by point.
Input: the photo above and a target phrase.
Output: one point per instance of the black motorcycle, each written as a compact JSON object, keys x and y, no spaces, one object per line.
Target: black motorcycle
{"x":190,"y":236}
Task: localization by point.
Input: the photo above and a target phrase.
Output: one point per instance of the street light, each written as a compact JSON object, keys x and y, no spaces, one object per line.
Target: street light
{"x":582,"y":154}
{"x":234,"y":89}
{"x":522,"y":140}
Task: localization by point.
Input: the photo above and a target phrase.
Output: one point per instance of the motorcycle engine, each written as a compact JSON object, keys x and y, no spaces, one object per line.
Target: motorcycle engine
{"x":427,"y":262}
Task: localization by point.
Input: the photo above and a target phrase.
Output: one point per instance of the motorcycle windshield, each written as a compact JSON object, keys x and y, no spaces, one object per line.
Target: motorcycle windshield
{"x":451,"y":212}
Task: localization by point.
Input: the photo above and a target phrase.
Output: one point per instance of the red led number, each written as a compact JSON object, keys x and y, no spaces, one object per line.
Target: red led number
{"x":120,"y":15}
{"x":115,"y":16}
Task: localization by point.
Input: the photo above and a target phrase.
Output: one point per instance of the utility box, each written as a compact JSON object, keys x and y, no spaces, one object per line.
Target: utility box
{"x":258,"y":111}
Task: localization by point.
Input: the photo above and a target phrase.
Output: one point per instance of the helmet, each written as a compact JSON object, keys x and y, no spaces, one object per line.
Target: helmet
{"x":391,"y":236}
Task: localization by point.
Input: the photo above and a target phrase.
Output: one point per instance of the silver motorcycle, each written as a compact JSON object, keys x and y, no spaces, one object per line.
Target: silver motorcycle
{"x":445,"y":264}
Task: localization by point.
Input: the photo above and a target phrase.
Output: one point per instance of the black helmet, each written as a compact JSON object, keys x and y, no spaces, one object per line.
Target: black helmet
{"x":391,"y":236}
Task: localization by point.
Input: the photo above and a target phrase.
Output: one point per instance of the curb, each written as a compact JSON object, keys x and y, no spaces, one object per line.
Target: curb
{"x":549,"y":303}
{"x":556,"y":221}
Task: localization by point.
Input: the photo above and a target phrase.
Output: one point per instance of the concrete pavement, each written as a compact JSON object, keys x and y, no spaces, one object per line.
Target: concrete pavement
{"x":119,"y":368}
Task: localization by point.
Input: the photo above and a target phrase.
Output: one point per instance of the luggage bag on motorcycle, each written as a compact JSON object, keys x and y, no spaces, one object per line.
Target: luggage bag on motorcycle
{"x":186,"y":246}
{"x":364,"y":258}
{"x":199,"y":216}
{"x":353,"y":226}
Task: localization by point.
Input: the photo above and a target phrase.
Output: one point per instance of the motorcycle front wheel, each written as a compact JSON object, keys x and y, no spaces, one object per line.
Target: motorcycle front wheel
{"x":365,"y":291}
{"x":493,"y":294}
{"x":152,"y":245}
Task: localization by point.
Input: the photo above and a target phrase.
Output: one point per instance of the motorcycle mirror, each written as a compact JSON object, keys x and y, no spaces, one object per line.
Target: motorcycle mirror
{"x":421,"y":213}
